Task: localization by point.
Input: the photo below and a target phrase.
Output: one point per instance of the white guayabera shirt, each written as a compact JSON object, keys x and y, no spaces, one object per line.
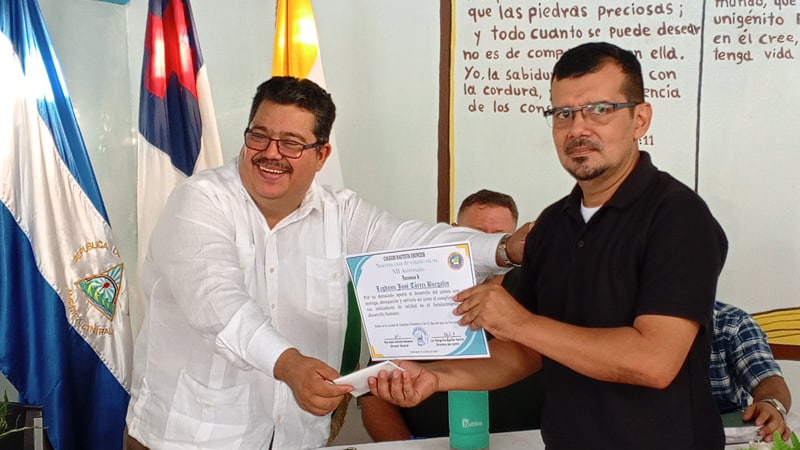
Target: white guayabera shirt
{"x":227,"y":295}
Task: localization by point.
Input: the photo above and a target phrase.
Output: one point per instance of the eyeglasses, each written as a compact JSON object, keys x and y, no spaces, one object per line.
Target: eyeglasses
{"x":598,"y":113}
{"x":288,"y":148}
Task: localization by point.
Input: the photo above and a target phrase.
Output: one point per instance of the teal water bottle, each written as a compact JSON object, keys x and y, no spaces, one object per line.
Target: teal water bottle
{"x":469,"y":419}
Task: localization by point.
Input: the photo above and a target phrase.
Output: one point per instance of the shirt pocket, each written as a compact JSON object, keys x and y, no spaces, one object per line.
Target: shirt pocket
{"x":325,"y":285}
{"x":206,"y":416}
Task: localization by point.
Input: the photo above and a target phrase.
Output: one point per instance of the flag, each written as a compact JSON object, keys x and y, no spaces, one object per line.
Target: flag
{"x":296,"y":53}
{"x":65,"y":341}
{"x":177,"y":126}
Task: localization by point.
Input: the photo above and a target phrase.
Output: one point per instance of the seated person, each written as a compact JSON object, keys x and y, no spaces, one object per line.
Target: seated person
{"x":512,"y":408}
{"x":744,"y":370}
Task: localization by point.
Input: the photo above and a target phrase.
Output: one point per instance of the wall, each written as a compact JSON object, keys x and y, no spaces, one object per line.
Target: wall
{"x":714,"y":72}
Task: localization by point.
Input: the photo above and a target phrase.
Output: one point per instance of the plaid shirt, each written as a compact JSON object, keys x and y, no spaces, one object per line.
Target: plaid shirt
{"x":740,"y":357}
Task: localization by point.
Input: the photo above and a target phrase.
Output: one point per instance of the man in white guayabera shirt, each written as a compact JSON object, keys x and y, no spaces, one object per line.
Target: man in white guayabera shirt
{"x":247,"y":287}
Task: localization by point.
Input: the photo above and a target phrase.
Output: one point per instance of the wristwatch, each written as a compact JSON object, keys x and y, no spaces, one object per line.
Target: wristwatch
{"x":501,"y":251}
{"x":777,"y":404}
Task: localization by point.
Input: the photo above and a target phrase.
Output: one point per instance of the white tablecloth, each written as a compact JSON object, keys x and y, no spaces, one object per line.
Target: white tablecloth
{"x":529,"y":440}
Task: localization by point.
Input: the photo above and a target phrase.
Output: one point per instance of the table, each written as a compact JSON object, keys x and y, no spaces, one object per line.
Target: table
{"x":529,"y":440}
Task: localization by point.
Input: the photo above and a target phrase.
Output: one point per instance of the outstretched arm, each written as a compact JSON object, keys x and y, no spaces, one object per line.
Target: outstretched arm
{"x":383,"y":420}
{"x":648,"y":353}
{"x":509,"y":362}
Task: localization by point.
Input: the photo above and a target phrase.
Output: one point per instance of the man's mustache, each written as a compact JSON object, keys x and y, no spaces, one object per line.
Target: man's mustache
{"x":261,"y":160}
{"x":583,"y":142}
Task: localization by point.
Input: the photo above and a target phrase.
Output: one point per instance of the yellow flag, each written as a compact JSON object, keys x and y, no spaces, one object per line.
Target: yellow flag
{"x":296,"y":53}
{"x":296,"y":41}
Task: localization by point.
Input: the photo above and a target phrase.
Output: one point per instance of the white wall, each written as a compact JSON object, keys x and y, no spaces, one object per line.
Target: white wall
{"x":791,"y":371}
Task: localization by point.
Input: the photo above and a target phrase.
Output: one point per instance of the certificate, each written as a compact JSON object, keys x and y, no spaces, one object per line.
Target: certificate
{"x":406,"y":302}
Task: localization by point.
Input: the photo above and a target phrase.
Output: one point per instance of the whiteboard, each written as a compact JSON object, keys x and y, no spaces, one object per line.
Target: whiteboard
{"x":724,"y":80}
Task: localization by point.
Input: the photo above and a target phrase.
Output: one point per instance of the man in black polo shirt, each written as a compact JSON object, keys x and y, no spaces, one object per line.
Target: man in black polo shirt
{"x":617,"y":286}
{"x":513,"y":408}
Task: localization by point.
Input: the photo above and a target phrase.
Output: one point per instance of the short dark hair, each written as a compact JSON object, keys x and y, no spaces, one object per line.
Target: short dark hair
{"x":492,"y":198}
{"x":302,"y":93}
{"x":590,"y":57}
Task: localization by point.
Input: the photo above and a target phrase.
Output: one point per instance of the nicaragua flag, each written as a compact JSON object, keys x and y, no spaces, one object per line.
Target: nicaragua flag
{"x":296,"y":53}
{"x":177,"y":126}
{"x":65,"y":339}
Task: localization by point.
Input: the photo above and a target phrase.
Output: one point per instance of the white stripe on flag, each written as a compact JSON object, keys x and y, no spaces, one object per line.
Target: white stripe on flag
{"x":331,"y":173}
{"x":156,"y":167}
{"x":70,"y":239}
{"x":210,"y":148}
{"x":156,"y":177}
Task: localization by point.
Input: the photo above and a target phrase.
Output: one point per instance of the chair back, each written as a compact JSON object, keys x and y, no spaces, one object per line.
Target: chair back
{"x":786,"y":351}
{"x":782,"y":327}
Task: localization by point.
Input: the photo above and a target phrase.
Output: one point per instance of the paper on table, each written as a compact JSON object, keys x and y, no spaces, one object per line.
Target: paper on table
{"x":738,"y":431}
{"x":406,"y":302}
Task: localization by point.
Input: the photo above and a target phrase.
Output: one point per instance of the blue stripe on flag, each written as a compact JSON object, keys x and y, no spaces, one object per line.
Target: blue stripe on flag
{"x":21,"y":21}
{"x":172,"y":124}
{"x":57,"y":349}
{"x":169,"y":114}
{"x":42,"y":355}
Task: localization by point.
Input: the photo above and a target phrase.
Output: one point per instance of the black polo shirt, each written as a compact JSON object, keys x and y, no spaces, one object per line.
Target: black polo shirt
{"x":653,"y":248}
{"x":515,"y":407}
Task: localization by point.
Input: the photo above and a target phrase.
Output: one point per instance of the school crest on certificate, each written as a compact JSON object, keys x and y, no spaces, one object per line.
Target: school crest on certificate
{"x":405,"y":298}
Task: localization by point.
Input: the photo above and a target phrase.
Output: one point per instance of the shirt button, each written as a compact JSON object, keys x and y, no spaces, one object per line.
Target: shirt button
{"x":271,"y":270}
{"x":580,"y":244}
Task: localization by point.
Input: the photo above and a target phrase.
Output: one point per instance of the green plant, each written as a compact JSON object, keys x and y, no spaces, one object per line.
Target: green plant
{"x":778,"y":443}
{"x":5,"y":427}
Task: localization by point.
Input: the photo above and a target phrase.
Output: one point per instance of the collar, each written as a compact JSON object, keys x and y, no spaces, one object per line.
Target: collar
{"x":629,"y":191}
{"x":313,"y":199}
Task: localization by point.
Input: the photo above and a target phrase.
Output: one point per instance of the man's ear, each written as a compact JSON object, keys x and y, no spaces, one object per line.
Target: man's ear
{"x":323,"y":153}
{"x":643,"y":113}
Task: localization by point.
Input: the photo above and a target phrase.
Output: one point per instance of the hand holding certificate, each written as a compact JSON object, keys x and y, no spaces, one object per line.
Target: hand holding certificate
{"x":406,"y":302}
